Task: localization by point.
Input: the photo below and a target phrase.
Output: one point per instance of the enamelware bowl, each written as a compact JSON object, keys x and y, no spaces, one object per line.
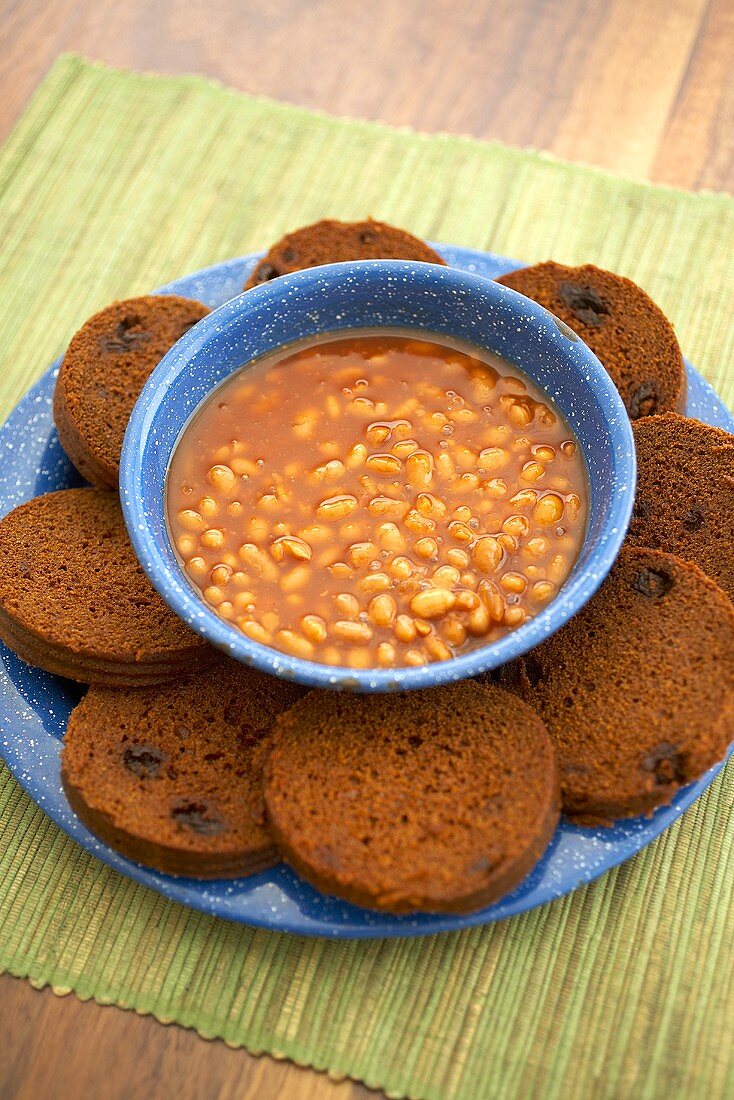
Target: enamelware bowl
{"x":430,"y":300}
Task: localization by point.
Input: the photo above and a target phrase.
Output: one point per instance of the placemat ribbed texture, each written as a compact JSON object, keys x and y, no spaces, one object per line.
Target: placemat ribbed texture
{"x":112,"y":184}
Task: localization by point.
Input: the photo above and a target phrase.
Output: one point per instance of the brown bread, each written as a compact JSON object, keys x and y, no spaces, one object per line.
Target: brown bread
{"x":685,"y":493}
{"x":75,"y":601}
{"x":172,"y":776}
{"x":628,"y":333}
{"x":105,"y":367}
{"x":329,"y":242}
{"x":637,"y":690}
{"x":440,"y":800}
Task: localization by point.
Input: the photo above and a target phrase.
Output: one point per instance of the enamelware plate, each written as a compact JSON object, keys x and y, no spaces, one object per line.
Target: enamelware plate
{"x":35,"y":706}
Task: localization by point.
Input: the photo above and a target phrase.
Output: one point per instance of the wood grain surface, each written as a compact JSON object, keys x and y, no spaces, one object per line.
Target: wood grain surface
{"x":642,"y":87}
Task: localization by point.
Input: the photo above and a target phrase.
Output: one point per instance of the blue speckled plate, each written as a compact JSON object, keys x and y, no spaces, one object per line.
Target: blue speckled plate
{"x":34,"y":706}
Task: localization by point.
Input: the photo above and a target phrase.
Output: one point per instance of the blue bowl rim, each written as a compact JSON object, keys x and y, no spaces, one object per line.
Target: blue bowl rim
{"x":182,"y":598}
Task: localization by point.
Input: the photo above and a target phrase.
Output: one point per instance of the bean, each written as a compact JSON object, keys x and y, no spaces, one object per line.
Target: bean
{"x":548,"y":510}
{"x":487,"y":554}
{"x":347,"y":604}
{"x":516,"y":525}
{"x":404,"y":629}
{"x":336,"y":507}
{"x":466,"y":600}
{"x":419,"y":468}
{"x":404,"y":447}
{"x":429,"y":505}
{"x":353,"y":633}
{"x":296,"y":579}
{"x":270,"y":620}
{"x":453,"y":630}
{"x":418,"y":524}
{"x":542,"y":591}
{"x":457,"y":557}
{"x":495,"y":489}
{"x":382,"y":609}
{"x":446,"y":576}
{"x":359,"y":553}
{"x":222,"y":478}
{"x":291,"y":546}
{"x":513,"y":582}
{"x":213,"y":539}
{"x":244,"y":601}
{"x":478,"y":621}
{"x":436,"y":649}
{"x":378,"y":434}
{"x":213,"y":595}
{"x":220,"y":574}
{"x":295,"y":644}
{"x":328,"y":471}
{"x":492,"y":600}
{"x":426,"y":548}
{"x":374,"y":582}
{"x":514,"y":616}
{"x":535,"y":547}
{"x":533,"y":472}
{"x":492,"y":458}
{"x":314,"y":627}
{"x":402,"y":567}
{"x":391,"y":537}
{"x":208,"y":507}
{"x":384,"y":465}
{"x":432,"y":603}
{"x":387,"y":506}
{"x":190,"y":520}
{"x":356,"y":456}
{"x":526,"y":498}
{"x":461,"y":531}
{"x":256,"y":631}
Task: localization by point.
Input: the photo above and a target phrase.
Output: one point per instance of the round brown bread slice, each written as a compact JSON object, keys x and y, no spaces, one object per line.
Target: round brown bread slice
{"x":330,"y":242}
{"x":105,"y":367}
{"x":75,"y":601}
{"x":685,"y":493}
{"x":172,"y":776}
{"x":628,"y":333}
{"x":439,"y":800}
{"x":637,"y":690}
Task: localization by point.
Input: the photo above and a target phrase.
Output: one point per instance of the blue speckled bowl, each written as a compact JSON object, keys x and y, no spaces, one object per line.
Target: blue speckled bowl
{"x":375,"y":294}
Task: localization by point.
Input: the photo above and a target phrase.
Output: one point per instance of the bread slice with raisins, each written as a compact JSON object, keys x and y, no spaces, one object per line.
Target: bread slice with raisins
{"x":685,"y":493}
{"x":331,"y":242}
{"x":105,"y":367}
{"x":172,"y":777}
{"x":625,"y":329}
{"x":637,"y":690}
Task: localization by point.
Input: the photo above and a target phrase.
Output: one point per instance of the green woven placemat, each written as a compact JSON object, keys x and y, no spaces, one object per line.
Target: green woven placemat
{"x":113,"y":184}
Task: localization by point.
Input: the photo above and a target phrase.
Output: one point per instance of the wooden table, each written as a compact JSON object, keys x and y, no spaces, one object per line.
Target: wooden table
{"x":642,"y":87}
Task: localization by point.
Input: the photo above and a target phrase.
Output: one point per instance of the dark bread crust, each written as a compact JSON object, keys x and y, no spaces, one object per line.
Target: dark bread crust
{"x":171,"y":777}
{"x":440,"y":800}
{"x":685,"y":493}
{"x":105,"y":367}
{"x":637,"y":690}
{"x":75,"y":601}
{"x":330,"y":242}
{"x":625,"y":329}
